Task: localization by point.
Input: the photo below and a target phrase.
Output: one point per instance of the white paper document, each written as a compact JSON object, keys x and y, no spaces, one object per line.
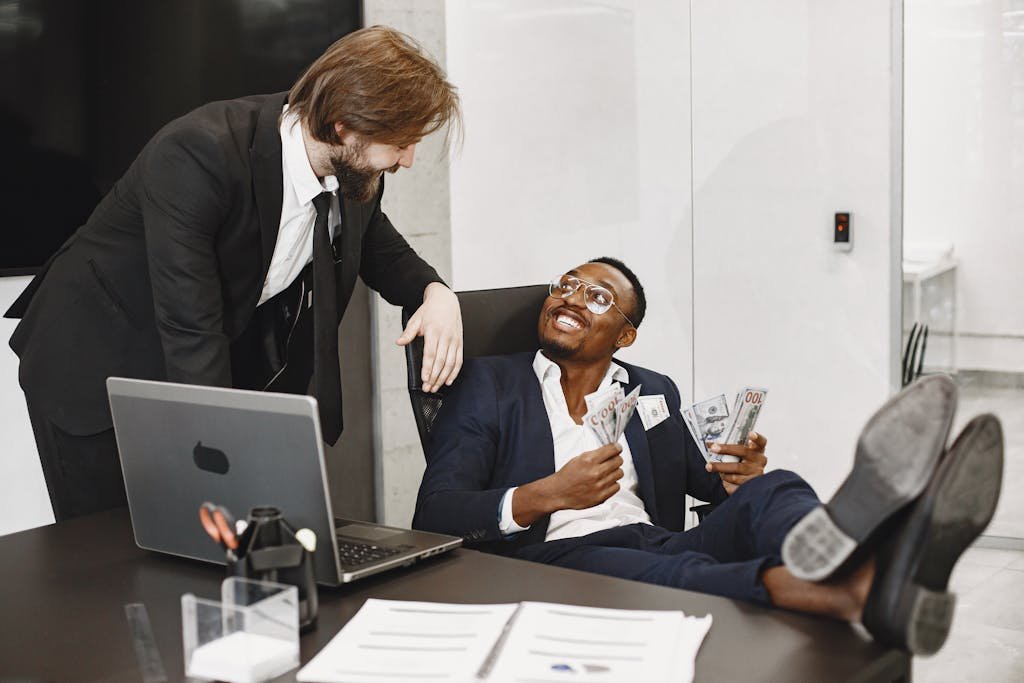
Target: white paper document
{"x":396,"y":641}
{"x":550,"y":642}
{"x":393,"y":641}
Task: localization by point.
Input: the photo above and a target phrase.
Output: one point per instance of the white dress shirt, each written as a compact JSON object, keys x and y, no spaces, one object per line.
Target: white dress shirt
{"x":294,"y":246}
{"x":571,"y":439}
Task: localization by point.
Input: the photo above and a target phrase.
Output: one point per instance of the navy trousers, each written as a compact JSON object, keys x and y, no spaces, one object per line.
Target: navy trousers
{"x":724,"y":555}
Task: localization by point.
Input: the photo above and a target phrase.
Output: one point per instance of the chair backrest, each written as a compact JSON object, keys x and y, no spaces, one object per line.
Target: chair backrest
{"x":913,"y":353}
{"x":494,"y":322}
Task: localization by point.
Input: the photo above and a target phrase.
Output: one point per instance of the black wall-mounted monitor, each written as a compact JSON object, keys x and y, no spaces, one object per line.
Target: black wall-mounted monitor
{"x":85,"y":83}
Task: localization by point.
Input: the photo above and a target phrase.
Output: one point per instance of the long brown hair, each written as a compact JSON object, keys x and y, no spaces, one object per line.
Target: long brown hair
{"x":377,"y":82}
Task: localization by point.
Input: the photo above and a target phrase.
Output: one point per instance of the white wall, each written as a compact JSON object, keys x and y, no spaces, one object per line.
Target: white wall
{"x":792,"y":122}
{"x":24,"y":502}
{"x":577,"y":145}
{"x":965,"y":164}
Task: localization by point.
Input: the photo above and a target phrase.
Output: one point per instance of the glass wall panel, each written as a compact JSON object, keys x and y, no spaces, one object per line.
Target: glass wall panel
{"x":964,"y":198}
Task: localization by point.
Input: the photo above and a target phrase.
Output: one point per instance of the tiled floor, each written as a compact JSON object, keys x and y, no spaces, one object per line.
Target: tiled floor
{"x":986,"y":644}
{"x":1008,"y":405}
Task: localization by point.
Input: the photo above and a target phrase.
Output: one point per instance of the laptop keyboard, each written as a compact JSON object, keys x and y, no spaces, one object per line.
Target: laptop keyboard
{"x":355,"y":554}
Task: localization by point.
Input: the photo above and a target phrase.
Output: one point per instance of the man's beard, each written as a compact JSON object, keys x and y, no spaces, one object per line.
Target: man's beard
{"x":556,"y":349}
{"x":356,"y":181}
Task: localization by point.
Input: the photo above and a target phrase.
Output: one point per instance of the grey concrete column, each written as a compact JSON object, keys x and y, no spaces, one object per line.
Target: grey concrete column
{"x":416,"y":201}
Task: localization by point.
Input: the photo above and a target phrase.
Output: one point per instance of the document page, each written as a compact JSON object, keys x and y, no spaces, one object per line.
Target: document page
{"x":550,"y":642}
{"x":396,"y":641}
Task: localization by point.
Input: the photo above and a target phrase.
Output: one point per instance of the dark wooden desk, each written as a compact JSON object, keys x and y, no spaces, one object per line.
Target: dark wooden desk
{"x":63,"y":589}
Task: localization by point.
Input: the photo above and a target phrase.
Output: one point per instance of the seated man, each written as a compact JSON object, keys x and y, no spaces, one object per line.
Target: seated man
{"x":512,"y":469}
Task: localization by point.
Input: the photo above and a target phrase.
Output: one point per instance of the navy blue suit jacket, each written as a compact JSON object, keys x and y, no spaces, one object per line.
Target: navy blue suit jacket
{"x":493,"y":433}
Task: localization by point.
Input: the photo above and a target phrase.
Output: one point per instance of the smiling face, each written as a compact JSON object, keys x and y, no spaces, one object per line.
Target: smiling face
{"x":568,"y":330}
{"x":358,"y":164}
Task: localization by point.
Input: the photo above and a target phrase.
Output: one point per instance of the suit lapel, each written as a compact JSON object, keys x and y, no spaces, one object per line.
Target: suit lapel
{"x":268,"y":176}
{"x":537,"y":440}
{"x":536,"y":447}
{"x":636,"y":437}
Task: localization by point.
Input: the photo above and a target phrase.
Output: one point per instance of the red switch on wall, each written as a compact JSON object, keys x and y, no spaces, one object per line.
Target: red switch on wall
{"x":842,"y":239}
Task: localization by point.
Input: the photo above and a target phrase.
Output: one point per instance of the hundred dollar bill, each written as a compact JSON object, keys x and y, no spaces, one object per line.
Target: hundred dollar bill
{"x":691,"y":425}
{"x":653,"y":410}
{"x":711,"y":417}
{"x":601,"y":412}
{"x":748,"y":406}
{"x":611,"y":420}
{"x":624,"y":411}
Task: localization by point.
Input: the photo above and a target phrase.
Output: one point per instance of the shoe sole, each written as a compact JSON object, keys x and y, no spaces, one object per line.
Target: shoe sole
{"x":880,"y":483}
{"x":963,"y":508}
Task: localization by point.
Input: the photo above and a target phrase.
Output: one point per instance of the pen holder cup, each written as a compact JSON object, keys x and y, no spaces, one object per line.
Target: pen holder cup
{"x":269,"y":551}
{"x":251,"y":635}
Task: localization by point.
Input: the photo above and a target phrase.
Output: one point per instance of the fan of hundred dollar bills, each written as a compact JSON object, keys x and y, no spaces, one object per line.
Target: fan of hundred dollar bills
{"x":710,"y":421}
{"x":609,"y":411}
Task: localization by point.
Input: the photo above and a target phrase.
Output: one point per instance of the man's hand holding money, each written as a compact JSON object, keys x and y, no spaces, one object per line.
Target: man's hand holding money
{"x":751,"y":464}
{"x":587,"y":480}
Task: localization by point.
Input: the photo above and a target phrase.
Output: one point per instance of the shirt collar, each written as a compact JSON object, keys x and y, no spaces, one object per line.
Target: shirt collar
{"x":545,"y":368}
{"x":296,"y":163}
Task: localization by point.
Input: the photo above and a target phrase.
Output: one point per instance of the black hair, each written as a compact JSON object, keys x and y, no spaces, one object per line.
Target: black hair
{"x":639,"y":299}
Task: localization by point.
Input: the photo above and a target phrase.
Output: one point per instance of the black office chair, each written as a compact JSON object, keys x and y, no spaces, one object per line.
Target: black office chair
{"x":913,"y":354}
{"x":494,"y":322}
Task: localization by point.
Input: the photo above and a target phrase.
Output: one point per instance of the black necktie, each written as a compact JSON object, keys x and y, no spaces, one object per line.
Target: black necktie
{"x":326,"y":367}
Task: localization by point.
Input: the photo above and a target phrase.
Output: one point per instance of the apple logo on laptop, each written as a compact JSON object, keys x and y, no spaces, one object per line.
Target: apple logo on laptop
{"x":210,"y":459}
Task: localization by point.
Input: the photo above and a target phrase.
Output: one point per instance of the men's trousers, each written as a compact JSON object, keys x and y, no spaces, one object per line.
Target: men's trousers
{"x":83,"y":473}
{"x":724,"y":555}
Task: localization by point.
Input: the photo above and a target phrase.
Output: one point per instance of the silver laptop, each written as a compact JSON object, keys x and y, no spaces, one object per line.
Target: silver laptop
{"x":181,"y":445}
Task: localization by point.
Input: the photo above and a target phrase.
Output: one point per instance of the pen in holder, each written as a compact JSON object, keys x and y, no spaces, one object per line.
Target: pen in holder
{"x":268,"y":550}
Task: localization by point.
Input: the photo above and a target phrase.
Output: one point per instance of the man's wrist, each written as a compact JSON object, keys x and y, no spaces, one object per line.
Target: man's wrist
{"x":532,"y":501}
{"x":432,"y":287}
{"x":507,"y":524}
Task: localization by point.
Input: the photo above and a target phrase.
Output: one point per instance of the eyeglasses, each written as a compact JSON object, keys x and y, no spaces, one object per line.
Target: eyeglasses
{"x":597,"y":298}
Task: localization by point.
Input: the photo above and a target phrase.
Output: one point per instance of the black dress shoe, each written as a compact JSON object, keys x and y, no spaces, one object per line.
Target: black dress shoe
{"x":896,"y":454}
{"x":909,"y":606}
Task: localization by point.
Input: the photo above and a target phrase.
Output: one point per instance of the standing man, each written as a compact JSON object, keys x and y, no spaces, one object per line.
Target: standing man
{"x":227,"y":253}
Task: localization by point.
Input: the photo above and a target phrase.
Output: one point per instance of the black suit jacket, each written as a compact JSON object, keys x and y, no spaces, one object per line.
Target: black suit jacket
{"x":166,"y":273}
{"x":493,"y":433}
